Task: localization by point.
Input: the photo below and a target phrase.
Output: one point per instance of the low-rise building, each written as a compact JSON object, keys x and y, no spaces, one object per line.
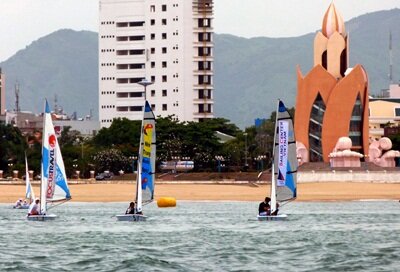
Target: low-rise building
{"x":383,"y":112}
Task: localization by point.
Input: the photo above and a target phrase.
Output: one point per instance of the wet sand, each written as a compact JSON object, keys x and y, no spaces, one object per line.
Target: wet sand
{"x":329,"y":191}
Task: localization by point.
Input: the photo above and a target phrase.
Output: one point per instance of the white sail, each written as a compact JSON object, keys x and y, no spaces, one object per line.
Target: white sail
{"x":29,"y":194}
{"x":284,"y":178}
{"x":146,"y":163}
{"x":54,"y":185}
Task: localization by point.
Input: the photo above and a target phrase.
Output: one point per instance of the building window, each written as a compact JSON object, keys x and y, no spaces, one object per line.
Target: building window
{"x":152,"y":8}
{"x":204,"y":65}
{"x":204,"y":37}
{"x":164,"y":78}
{"x":140,"y":23}
{"x":164,"y":107}
{"x":204,"y":51}
{"x":152,"y":50}
{"x":164,"y":92}
{"x":164,"y":7}
{"x":397,"y":112}
{"x":152,"y":22}
{"x":153,"y":107}
{"x":205,"y":79}
{"x":122,"y":108}
{"x":201,"y":108}
{"x":164,"y":36}
{"x":136,"y":108}
{"x":204,"y":22}
{"x":153,"y":64}
{"x":136,"y":94}
{"x":315,"y":129}
{"x":164,"y":50}
{"x":153,"y":93}
{"x":152,"y":36}
{"x":153,"y":78}
{"x":164,"y":21}
{"x":164,"y":64}
{"x":204,"y":94}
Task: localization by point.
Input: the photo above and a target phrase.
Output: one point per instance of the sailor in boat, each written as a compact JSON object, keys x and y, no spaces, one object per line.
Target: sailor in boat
{"x":265,"y":208}
{"x":131,"y":209}
{"x":34,"y":208}
{"x":18,"y":204}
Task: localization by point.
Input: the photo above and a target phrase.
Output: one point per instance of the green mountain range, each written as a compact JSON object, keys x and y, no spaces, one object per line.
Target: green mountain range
{"x":250,"y":74}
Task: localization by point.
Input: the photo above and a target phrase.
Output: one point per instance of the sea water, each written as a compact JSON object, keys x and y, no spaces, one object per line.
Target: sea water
{"x":205,"y":236}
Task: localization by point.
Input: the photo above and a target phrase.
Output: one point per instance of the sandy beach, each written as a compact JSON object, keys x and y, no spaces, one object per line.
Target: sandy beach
{"x":329,"y":191}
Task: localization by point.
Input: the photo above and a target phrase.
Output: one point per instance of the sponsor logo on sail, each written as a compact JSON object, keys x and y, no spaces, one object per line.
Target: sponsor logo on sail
{"x":283,"y":127}
{"x":52,"y":140}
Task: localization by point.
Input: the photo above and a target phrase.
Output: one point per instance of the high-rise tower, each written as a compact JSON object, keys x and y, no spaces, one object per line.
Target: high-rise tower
{"x":167,"y":42}
{"x":332,"y":99}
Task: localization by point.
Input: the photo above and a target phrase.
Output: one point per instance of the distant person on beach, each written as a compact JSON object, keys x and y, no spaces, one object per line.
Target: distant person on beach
{"x":34,"y":208}
{"x":264,"y":208}
{"x":18,"y":203}
{"x":131,"y":208}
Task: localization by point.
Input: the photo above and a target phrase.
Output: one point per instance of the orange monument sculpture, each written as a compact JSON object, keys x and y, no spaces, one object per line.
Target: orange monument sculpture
{"x":332,"y":99}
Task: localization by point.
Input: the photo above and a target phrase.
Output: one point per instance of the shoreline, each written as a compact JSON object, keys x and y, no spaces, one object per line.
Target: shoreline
{"x":124,"y":192}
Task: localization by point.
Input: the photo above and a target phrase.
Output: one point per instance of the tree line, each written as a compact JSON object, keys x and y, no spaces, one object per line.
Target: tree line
{"x":116,"y":148}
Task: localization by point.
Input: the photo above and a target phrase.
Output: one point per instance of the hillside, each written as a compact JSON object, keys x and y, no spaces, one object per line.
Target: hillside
{"x":250,"y":74}
{"x":253,"y":73}
{"x":62,"y":63}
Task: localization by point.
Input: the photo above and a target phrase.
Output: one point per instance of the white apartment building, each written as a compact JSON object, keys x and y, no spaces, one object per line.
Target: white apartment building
{"x":168,"y":42}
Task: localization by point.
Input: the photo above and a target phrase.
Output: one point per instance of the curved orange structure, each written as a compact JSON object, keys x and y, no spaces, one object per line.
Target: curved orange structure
{"x":332,"y":99}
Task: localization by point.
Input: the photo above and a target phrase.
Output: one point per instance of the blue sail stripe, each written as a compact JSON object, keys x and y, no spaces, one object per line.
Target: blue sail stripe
{"x":45,"y":161}
{"x":62,"y":182}
{"x":289,"y":180}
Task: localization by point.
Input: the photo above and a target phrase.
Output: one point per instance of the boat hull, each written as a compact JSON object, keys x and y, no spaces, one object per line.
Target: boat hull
{"x":278,"y":217}
{"x":21,"y":207}
{"x":41,"y":217}
{"x":131,"y":217}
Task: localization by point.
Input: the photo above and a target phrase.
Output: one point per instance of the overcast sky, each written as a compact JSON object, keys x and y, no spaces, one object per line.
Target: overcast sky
{"x":23,"y":21}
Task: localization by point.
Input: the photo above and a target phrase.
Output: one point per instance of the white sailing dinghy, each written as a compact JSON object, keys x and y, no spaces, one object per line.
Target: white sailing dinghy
{"x":29,"y":194}
{"x":145,"y":178}
{"x":284,"y":167}
{"x":53,"y":183}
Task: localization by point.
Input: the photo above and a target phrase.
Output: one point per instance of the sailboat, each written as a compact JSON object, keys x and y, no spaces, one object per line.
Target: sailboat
{"x":145,"y":178}
{"x":284,"y":167}
{"x":53,"y":183}
{"x":29,"y":194}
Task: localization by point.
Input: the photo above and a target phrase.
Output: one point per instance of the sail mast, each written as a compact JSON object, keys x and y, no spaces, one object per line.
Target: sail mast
{"x":273,"y":178}
{"x":29,"y":190}
{"x":43,"y":184}
{"x":138,"y":199}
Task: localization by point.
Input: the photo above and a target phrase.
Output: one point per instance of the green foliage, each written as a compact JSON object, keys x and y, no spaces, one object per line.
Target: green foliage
{"x":69,"y":137}
{"x":193,"y":140}
{"x":12,"y":147}
{"x":123,"y":134}
{"x":111,"y":160}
